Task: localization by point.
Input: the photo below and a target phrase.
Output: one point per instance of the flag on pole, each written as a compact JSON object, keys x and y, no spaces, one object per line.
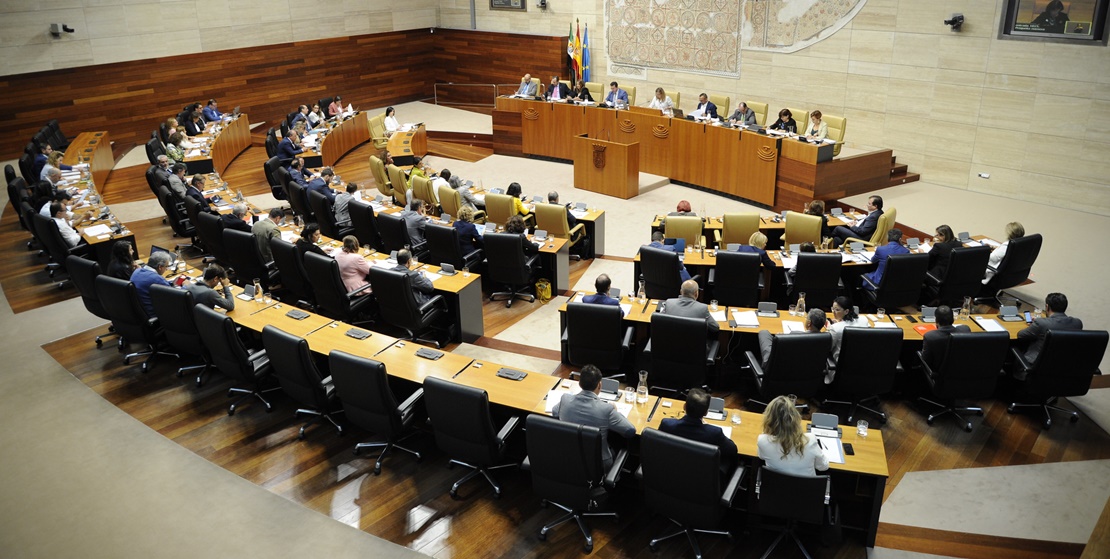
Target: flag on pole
{"x":577,"y":52}
{"x":585,"y":66}
{"x":572,"y":62}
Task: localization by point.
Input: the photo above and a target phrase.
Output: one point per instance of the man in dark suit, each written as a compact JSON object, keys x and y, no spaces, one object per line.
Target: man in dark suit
{"x":234,"y":220}
{"x":585,"y":408}
{"x":421,"y":286}
{"x":864,"y":228}
{"x":557,"y":91}
{"x":657,"y":242}
{"x":690,"y":426}
{"x":882,"y":254}
{"x":601,"y":286}
{"x":195,"y":190}
{"x":320,"y":184}
{"x":297,"y":172}
{"x":686,"y":304}
{"x":705,"y":107}
{"x":814,"y":323}
{"x":935,"y":343}
{"x":204,"y":289}
{"x":1032,"y":337}
{"x":289,"y":147}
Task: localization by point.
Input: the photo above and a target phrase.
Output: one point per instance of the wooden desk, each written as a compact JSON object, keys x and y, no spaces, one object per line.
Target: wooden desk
{"x":524,"y":394}
{"x":404,"y":146}
{"x":343,"y":137}
{"x":93,"y":148}
{"x":401,"y":361}
{"x":274,"y":315}
{"x":334,"y":337}
{"x":594,"y":220}
{"x":233,"y":138}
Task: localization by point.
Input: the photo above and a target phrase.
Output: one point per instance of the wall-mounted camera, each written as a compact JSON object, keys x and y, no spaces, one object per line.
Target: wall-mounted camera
{"x":542,"y":5}
{"x":56,"y":29}
{"x":956,"y":22}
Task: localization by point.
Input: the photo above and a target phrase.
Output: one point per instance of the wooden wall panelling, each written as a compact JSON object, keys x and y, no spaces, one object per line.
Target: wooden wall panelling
{"x":464,"y":56}
{"x":507,"y":133}
{"x":853,"y":175}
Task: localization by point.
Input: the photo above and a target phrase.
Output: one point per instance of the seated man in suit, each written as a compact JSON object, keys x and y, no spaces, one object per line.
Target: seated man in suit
{"x":320,"y":184}
{"x":421,"y":286}
{"x":527,"y":87}
{"x":1032,"y":337}
{"x":553,"y":198}
{"x":162,"y":170}
{"x":616,"y":96}
{"x":863,"y":229}
{"x":935,"y":342}
{"x":814,"y":323}
{"x":211,"y":113}
{"x":601,"y":286}
{"x":687,"y":304}
{"x":301,"y":116}
{"x":557,"y":91}
{"x":289,"y":146}
{"x":266,"y":229}
{"x":177,"y":181}
{"x":706,"y":109}
{"x":298,"y":173}
{"x":415,"y":220}
{"x":195,"y":190}
{"x":893,"y":246}
{"x":341,"y":209}
{"x":585,"y":408}
{"x":204,"y":290}
{"x":234,"y":220}
{"x":690,"y":426}
{"x":66,"y":227}
{"x":145,"y":276}
{"x":657,"y":242}
{"x":743,"y":115}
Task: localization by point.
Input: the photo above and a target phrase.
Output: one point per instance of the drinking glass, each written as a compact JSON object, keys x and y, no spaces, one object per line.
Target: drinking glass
{"x":861,"y":429}
{"x":713,"y":305}
{"x":268,"y":298}
{"x":736,"y":418}
{"x":881,"y":313}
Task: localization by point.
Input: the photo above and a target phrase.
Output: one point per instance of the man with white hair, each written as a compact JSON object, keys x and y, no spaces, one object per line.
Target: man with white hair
{"x":234,"y":220}
{"x":151,"y":274}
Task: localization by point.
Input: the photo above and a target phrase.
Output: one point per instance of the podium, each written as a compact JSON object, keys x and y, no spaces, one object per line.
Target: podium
{"x":609,"y":168}
{"x":404,"y":146}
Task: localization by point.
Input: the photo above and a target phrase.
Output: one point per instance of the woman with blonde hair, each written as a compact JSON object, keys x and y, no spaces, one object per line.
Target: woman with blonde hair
{"x":757,"y":244}
{"x":1014,"y":230}
{"x":784,"y":445}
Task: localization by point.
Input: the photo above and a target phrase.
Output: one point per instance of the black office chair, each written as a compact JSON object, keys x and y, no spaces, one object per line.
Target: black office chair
{"x":299,"y":378}
{"x":660,"y":271}
{"x":283,"y":127}
{"x":211,"y":232}
{"x":164,"y":133}
{"x":901,"y":283}
{"x":291,"y":270}
{"x":399,"y":307}
{"x":58,"y":139}
{"x":51,"y":238}
{"x":818,"y":276}
{"x":1064,"y":367}
{"x":395,"y":235}
{"x":866,"y":367}
{"x":324,"y":211}
{"x":964,"y":277}
{"x":154,"y":148}
{"x":568,"y":472}
{"x":737,"y":279}
{"x":332,"y":298}
{"x":83,"y":272}
{"x":271,"y":143}
{"x":156,"y":176}
{"x":444,"y":248}
{"x":681,"y":352}
{"x":365,"y":224}
{"x":1015,"y":266}
{"x":9,"y":176}
{"x":175,"y":216}
{"x":121,"y":301}
{"x":17,"y":194}
{"x":174,"y":308}
{"x":796,"y":366}
{"x":324,"y":103}
{"x":246,"y":260}
{"x":682,"y":481}
{"x":792,"y":498}
{"x":27,"y":168}
{"x":283,"y":178}
{"x":229,"y":355}
{"x":968,"y":371}
{"x":463,"y":427}
{"x":506,"y":265}
{"x":298,"y":201}
{"x":596,"y":334}
{"x":33,"y":225}
{"x":269,"y":168}
{"x":368,"y":401}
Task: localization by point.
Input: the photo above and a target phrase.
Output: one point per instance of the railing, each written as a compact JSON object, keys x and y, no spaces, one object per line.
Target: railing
{"x":470,"y":94}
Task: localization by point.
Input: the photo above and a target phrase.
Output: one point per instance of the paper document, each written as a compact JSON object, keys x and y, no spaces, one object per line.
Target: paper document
{"x":579,"y":214}
{"x":834,"y":451}
{"x":623,"y":408}
{"x":289,"y":236}
{"x":884,"y":325}
{"x":97,"y":230}
{"x":819,"y":432}
{"x":727,"y":430}
{"x":973,"y":244}
{"x":553,"y":397}
{"x":626,"y":308}
{"x":991,"y":243}
{"x":719,"y":316}
{"x":789,"y":261}
{"x":432,"y":277}
{"x":925,"y":247}
{"x":989,"y":324}
{"x":193,"y":153}
{"x":746,"y":318}
{"x":868,"y":254}
{"x":789,"y":326}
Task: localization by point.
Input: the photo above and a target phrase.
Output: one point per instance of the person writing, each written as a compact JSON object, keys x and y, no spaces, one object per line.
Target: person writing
{"x":706,"y":109}
{"x":204,"y":291}
{"x":557,"y":91}
{"x":785,"y":122}
{"x":514,"y":192}
{"x":818,"y":129}
{"x":743,"y":115}
{"x":353,"y":268}
{"x":581,"y":92}
{"x":661,"y":101}
{"x":617,"y":97}
{"x":784,"y":445}
{"x":690,"y":426}
{"x":527,"y":87}
{"x":586,"y":408}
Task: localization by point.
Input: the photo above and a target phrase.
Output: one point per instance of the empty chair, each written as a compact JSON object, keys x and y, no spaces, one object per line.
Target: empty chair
{"x":866,"y":367}
{"x":395,"y":235}
{"x":737,"y":279}
{"x":268,"y":167}
{"x":56,"y":246}
{"x":463,"y":427}
{"x":1065,"y":366}
{"x":83,"y":273}
{"x":381,"y":179}
{"x":838,"y":125}
{"x":507,"y":265}
{"x":299,"y":378}
{"x":121,"y":301}
{"x":58,"y":139}
{"x":324,"y":211}
{"x":368,"y":401}
{"x":154,"y":148}
{"x":684,"y":227}
{"x":398,"y":183}
{"x":444,"y":248}
{"x":792,"y":498}
{"x":796,"y":366}
{"x":272,"y":143}
{"x":596,"y":335}
{"x":378,"y":134}
{"x":155,"y":177}
{"x":568,"y":472}
{"x":964,"y":277}
{"x":800,"y":117}
{"x":292,"y":273}
{"x":737,"y":228}
{"x":682,"y":481}
{"x":365,"y":224}
{"x":175,"y":216}
{"x":211,"y":232}
{"x":332,"y":298}
{"x":682,"y":354}
{"x":661,"y":271}
{"x":968,"y":371}
{"x":802,"y":228}
{"x":232,"y":358}
{"x":298,"y":201}
{"x":818,"y":276}
{"x":174,"y":308}
{"x":1015,"y":266}
{"x":283,"y":178}
{"x":246,"y":260}
{"x":723,"y":102}
{"x":499,"y":208}
{"x":901,"y":283}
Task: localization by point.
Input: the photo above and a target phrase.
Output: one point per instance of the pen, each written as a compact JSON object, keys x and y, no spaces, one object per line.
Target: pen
{"x":653,"y":408}
{"x":820,"y":445}
{"x":646,"y":303}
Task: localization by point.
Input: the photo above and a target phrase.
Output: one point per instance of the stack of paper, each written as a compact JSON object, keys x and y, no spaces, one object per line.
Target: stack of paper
{"x":832,"y":448}
{"x":719,"y":316}
{"x":789,"y":326}
{"x":193,"y":153}
{"x":789,"y":261}
{"x":746,"y":319}
{"x":989,"y":324}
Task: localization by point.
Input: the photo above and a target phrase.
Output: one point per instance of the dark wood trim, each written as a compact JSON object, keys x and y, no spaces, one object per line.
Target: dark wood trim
{"x":956,"y":544}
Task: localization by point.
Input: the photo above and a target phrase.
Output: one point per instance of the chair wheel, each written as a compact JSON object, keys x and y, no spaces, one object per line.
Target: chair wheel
{"x":377,"y":469}
{"x":541,"y":536}
{"x":588,"y":548}
{"x":496,"y":493}
{"x":979,"y":413}
{"x":543,"y":503}
{"x":199,"y":382}
{"x":1074,"y":419}
{"x":653,"y":546}
{"x":99,"y":344}
{"x":1010,"y":408}
{"x":144,"y":367}
{"x":356,"y":451}
{"x":454,"y":494}
{"x":967,"y":427}
{"x":1048,"y":424}
{"x":231,"y":410}
{"x":929,"y":420}
{"x":126,"y":360}
{"x":269,"y":408}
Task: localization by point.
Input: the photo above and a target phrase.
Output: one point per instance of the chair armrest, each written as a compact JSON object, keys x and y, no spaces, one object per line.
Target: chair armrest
{"x":711,"y":350}
{"x":717,"y":237}
{"x":868,"y":281}
{"x":407,"y":406}
{"x":931,"y":279}
{"x":733,"y":485}
{"x":789,"y":280}
{"x":580,"y":228}
{"x":256,"y":355}
{"x":1019,"y":358}
{"x":507,"y":430}
{"x":992,"y":268}
{"x":531,"y":262}
{"x":647,"y":347}
{"x":924,"y":366}
{"x":755,"y":364}
{"x":855,"y":240}
{"x":475,"y":254}
{"x":614,"y":473}
{"x":419,"y":246}
{"x":713,"y":276}
{"x":565,"y":335}
{"x":831,"y":364}
{"x":356,"y":292}
{"x":626,"y":343}
{"x":898,"y":368}
{"x":639,"y":473}
{"x":438,"y":299}
{"x":526,"y":465}
{"x":696,"y":277}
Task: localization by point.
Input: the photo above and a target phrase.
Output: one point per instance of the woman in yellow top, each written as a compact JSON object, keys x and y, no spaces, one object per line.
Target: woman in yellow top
{"x":819,"y":128}
{"x":518,"y":206}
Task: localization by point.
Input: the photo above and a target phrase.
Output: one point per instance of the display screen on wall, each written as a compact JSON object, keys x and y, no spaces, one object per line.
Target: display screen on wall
{"x":517,"y":5}
{"x":1061,"y":20}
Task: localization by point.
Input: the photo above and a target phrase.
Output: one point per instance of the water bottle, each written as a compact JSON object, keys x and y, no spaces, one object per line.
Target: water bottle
{"x":180,"y":259}
{"x":800,"y":307}
{"x":965,"y":310}
{"x":239,"y":195}
{"x":257,"y":291}
{"x":641,"y":292}
{"x":642,"y":389}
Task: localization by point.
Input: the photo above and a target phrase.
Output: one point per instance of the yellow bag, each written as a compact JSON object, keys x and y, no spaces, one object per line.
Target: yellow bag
{"x":543,"y":290}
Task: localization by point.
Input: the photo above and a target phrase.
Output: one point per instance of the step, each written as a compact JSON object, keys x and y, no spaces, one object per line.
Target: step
{"x":899,"y":169}
{"x":903,"y":178}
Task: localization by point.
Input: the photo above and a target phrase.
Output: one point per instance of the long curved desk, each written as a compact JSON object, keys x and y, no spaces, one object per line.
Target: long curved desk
{"x":233,"y":139}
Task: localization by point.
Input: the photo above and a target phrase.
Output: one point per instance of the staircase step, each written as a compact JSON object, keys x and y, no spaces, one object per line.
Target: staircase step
{"x":903,"y":178}
{"x":899,"y":169}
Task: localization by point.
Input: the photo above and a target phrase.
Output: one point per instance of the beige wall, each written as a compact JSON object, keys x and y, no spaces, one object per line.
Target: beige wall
{"x":951,"y":105}
{"x":118,"y":30}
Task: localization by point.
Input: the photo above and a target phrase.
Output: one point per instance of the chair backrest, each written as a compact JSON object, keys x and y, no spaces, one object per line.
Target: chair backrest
{"x":291,"y":269}
{"x":394,"y":232}
{"x":461,"y":421}
{"x":565,"y":460}
{"x":221,"y":340}
{"x":443,"y":245}
{"x":365,"y":224}
{"x":153,"y":150}
{"x":174,"y":309}
{"x":506,"y":263}
{"x":738,"y":228}
{"x":723,"y":102}
{"x":553,"y":219}
{"x":676,"y":98}
{"x":737,"y":279}
{"x":837,"y":127}
{"x":760,"y":110}
{"x":295,"y":193}
{"x":883,"y":226}
{"x":271,"y":142}
{"x":294,"y":367}
{"x":51,"y":237}
{"x":9,"y":174}
{"x":327,"y":282}
{"x":970,"y":366}
{"x":678,"y":351}
{"x":499,"y":208}
{"x":27,"y":168}
{"x":324,"y":211}
{"x":801,"y":228}
{"x":1017,"y":263}
{"x":659,"y":267}
{"x":783,"y":495}
{"x":902,"y":280}
{"x":868,"y":360}
{"x":377,"y":131}
{"x":153,"y":179}
{"x":422,"y":189}
{"x":362,"y":385}
{"x":27,"y":217}
{"x":596,"y":90}
{"x":1067,"y":362}
{"x":396,"y":298}
{"x":193,"y":209}
{"x":211,"y":232}
{"x":83,"y":273}
{"x":381,"y":180}
{"x":324,"y":103}
{"x":594,"y":335}
{"x":682,"y":478}
{"x":398,"y":183}
{"x":245,"y":257}
{"x":797,"y":364}
{"x":818,"y":276}
{"x":964,"y":275}
{"x":801,"y":117}
{"x":631,"y":89}
{"x":121,"y":301}
{"x":270,"y":167}
{"x":683,"y":227}
{"x":282,"y":178}
{"x":449,"y":200}
{"x":58,"y":138}
{"x":181,"y":227}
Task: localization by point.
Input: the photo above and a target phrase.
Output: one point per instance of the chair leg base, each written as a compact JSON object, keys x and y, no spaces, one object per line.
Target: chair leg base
{"x":247,"y":394}
{"x":580,"y":518}
{"x":788,"y":530}
{"x":513,"y":295}
{"x":316,"y":416}
{"x":691,"y":535}
{"x":1047,"y":409}
{"x":856,"y":406}
{"x":954,"y":410}
{"x":474,"y":471}
{"x":386,"y":447}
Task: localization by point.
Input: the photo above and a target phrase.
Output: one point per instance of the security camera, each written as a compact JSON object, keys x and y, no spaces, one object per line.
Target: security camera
{"x":67,"y":28}
{"x":956,"y":22}
{"x":543,"y":4}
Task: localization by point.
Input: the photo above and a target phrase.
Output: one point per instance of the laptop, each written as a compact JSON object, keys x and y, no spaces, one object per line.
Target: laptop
{"x":614,"y":293}
{"x":928,"y":314}
{"x":1009,"y":313}
{"x":677,"y":113}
